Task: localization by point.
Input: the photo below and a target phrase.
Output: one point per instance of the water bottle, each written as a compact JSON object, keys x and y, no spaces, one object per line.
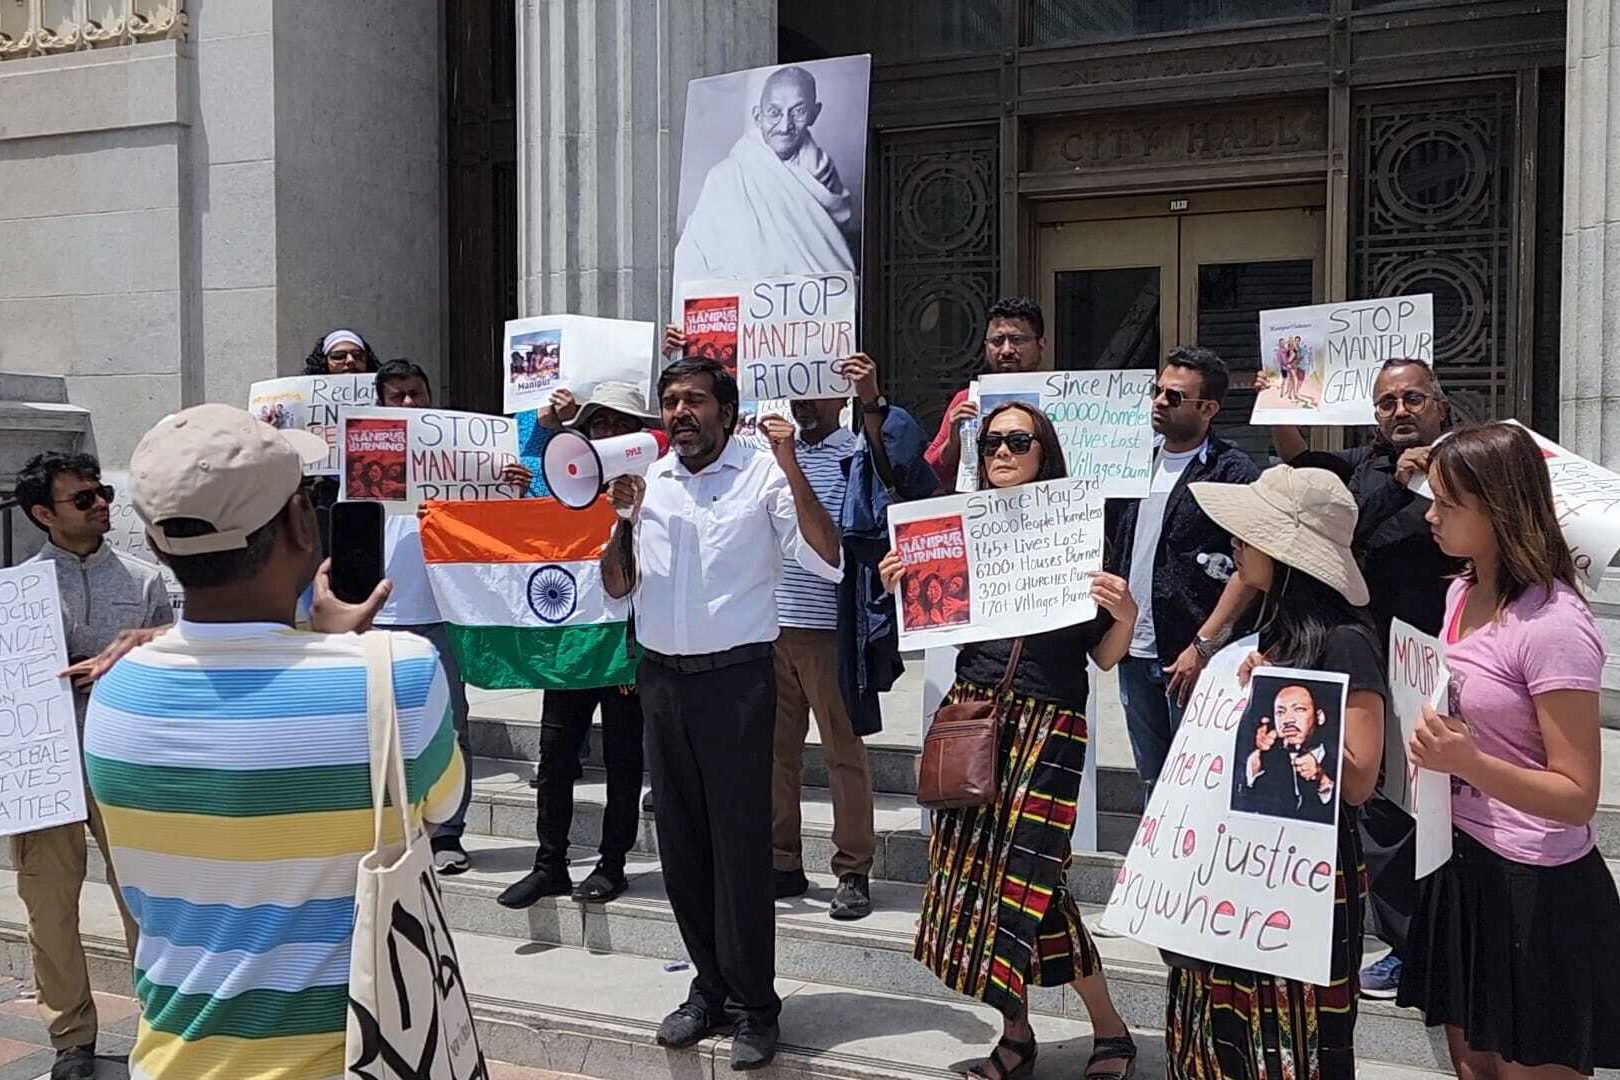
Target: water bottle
{"x":967,"y":473}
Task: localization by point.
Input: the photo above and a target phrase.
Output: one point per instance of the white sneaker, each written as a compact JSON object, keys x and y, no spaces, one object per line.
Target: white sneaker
{"x":450,"y":859}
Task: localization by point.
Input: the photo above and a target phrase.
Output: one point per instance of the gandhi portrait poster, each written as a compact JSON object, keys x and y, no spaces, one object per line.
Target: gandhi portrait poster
{"x":773,"y":170}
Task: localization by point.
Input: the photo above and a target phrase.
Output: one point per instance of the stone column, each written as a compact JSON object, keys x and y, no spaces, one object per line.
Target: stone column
{"x":602,"y":86}
{"x":1589,"y":398}
{"x":1589,"y":376}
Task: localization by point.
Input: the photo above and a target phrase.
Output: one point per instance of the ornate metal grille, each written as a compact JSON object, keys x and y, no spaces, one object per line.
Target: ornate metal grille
{"x":940,"y":262}
{"x":1433,"y":212}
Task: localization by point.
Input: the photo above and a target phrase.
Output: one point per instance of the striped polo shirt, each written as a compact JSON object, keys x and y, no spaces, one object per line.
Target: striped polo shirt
{"x":804,"y":601}
{"x":230,"y":763}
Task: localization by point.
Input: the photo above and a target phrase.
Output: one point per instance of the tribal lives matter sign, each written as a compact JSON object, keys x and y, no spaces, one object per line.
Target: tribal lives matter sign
{"x":991,"y":564}
{"x":1318,"y":363}
{"x":41,"y":772}
{"x":1233,"y":861}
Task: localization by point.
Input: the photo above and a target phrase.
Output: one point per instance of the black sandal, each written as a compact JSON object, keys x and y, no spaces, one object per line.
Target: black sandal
{"x":1107,"y":1048}
{"x":1025,"y":1068}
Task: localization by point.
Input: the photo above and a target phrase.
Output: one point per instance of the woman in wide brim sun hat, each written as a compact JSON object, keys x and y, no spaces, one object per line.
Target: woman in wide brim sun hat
{"x":1291,"y":534}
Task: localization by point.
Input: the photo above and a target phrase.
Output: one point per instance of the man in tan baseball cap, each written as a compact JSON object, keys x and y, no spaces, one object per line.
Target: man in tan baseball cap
{"x":208,"y":483}
{"x":233,"y":689}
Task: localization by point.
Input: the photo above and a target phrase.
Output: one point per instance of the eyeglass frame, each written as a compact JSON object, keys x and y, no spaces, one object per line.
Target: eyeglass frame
{"x":1173,"y":397}
{"x":1005,"y":438}
{"x":1017,"y":341}
{"x":103,"y":491}
{"x":1402,"y":398}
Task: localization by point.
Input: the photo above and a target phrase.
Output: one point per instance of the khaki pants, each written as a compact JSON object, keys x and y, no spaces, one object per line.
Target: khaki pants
{"x":806,"y":680}
{"x":50,"y":873}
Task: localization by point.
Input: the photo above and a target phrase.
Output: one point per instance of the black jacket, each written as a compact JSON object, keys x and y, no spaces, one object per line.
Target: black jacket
{"x":1280,"y":792}
{"x":1184,"y":592}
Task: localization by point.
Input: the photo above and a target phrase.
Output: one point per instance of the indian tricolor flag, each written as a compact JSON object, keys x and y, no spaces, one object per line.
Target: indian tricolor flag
{"x":518,"y":585}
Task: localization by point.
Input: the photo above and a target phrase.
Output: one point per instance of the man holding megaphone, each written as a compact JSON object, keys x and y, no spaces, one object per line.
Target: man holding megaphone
{"x":614,"y":410}
{"x":702,"y":549}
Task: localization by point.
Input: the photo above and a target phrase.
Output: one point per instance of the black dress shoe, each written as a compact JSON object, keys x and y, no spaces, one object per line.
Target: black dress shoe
{"x":754,"y":1045}
{"x":686,"y":1025}
{"x":791,"y":883}
{"x":536,"y":884}
{"x":853,"y":900}
{"x":605,"y":883}
{"x":75,"y":1063}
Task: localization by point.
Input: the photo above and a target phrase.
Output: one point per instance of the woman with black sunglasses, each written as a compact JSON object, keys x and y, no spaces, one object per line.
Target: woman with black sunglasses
{"x":997,"y":916}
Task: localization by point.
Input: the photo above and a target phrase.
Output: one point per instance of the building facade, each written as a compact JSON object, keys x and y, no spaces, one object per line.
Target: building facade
{"x":191,"y":193}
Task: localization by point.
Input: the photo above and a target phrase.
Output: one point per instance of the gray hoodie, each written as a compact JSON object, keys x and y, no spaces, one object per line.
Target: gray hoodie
{"x":102,"y":594}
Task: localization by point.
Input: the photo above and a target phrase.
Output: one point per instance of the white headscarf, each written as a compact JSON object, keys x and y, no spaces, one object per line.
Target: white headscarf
{"x":338,"y":337}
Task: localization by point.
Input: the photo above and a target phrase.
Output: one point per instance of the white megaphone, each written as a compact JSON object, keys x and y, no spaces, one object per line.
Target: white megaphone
{"x":577,"y":470}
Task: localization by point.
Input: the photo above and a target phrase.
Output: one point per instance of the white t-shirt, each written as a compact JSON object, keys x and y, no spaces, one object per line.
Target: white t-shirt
{"x":1167,"y":469}
{"x":411,"y":603}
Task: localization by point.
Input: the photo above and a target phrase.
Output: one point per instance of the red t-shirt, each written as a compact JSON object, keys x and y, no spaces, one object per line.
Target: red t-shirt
{"x":931,"y":455}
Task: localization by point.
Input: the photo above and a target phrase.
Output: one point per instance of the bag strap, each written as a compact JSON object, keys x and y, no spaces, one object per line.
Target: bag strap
{"x":382,"y":723}
{"x":1012,"y":669}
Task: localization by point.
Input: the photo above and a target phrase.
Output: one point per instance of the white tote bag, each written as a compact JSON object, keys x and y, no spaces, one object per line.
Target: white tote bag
{"x":408,"y":1012}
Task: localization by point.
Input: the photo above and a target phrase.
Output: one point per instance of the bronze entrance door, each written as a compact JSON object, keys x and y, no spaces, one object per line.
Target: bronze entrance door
{"x":1123,"y":281}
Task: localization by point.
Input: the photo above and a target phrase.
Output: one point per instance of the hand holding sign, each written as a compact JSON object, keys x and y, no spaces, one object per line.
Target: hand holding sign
{"x":862,"y":374}
{"x":1113,"y":595}
{"x":780,"y":432}
{"x":1442,"y":743}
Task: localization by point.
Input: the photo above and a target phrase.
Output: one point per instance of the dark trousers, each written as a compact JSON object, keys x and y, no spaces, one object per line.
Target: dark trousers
{"x":709,"y":740}
{"x":1389,"y":850}
{"x":565,"y":724}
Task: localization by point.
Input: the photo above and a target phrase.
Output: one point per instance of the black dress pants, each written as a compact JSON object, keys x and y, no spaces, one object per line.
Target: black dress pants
{"x":1389,"y":850}
{"x":565,"y":724}
{"x":709,"y":738}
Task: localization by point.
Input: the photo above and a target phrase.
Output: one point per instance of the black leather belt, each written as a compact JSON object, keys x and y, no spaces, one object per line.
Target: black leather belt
{"x":714,"y":661}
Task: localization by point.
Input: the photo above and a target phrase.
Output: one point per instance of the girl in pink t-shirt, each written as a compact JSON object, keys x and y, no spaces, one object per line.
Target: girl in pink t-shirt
{"x":1516,"y":940}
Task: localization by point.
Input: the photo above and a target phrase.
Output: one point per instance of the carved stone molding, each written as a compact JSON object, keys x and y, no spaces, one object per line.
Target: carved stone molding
{"x":1110,"y":66}
{"x":39,"y":27}
{"x":1179,"y":136}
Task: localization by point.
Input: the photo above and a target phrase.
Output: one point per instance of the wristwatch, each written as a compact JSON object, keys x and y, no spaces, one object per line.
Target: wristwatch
{"x":1207,"y":647}
{"x":877,"y":406}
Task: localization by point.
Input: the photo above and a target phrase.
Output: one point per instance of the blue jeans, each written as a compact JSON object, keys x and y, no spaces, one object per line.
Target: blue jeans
{"x":1151,"y":717}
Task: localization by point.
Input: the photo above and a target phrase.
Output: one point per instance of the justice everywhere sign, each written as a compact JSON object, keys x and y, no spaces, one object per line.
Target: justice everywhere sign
{"x":1234,"y":860}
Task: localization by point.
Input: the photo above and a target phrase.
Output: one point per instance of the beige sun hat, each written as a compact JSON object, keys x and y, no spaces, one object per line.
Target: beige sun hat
{"x":1305,"y":518}
{"x":621,"y":397}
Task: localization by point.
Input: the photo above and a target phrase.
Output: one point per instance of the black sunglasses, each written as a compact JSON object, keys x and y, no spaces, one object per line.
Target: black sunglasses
{"x":84,"y":500}
{"x":1018,"y":442}
{"x":1172,"y":396}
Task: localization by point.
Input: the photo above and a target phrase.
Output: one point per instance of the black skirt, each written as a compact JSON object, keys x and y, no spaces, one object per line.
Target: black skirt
{"x":1524,"y":959}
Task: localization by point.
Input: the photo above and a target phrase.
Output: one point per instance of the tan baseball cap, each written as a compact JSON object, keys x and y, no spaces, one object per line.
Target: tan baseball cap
{"x":217,"y":464}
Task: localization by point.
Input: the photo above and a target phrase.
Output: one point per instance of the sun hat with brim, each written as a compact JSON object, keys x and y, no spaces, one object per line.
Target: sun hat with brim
{"x":1304,"y":518}
{"x":621,"y":397}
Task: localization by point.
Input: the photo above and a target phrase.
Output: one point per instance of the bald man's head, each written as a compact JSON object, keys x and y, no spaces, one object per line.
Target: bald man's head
{"x":787,"y":109}
{"x":1295,"y":715}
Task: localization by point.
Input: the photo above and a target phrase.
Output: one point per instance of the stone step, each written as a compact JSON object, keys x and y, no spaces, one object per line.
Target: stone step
{"x":503,"y":807}
{"x":894,"y":771}
{"x":595,"y":1013}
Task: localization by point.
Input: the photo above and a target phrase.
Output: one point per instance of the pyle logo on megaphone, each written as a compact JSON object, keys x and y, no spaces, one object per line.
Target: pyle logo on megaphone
{"x":577,"y":470}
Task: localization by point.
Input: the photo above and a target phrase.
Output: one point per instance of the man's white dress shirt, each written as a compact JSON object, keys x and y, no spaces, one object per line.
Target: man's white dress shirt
{"x":709,"y":552}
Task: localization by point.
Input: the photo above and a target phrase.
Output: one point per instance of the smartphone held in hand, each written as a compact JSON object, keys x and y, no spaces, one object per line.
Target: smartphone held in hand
{"x":357,"y":549}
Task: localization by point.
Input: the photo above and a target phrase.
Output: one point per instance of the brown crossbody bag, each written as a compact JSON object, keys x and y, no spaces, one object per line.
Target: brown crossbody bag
{"x":958,"y":767}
